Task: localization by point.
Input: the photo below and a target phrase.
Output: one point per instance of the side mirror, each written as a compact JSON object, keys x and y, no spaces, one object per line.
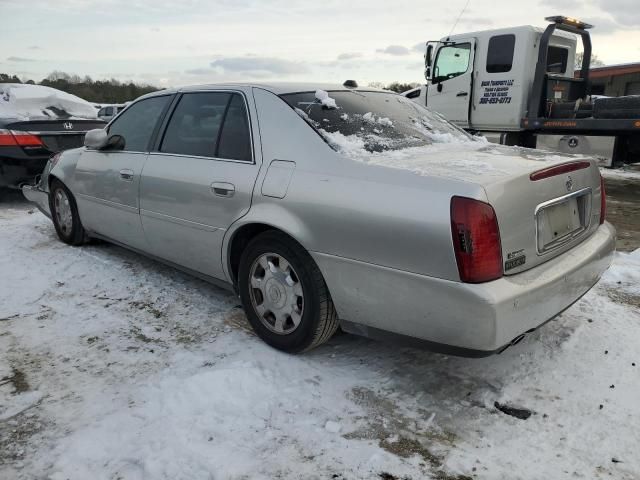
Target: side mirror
{"x":95,"y":139}
{"x":115,"y":142}
{"x":428,"y":56}
{"x":427,"y":73}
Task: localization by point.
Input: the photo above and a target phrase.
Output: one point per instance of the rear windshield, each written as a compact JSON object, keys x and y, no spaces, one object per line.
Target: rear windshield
{"x":374,"y":121}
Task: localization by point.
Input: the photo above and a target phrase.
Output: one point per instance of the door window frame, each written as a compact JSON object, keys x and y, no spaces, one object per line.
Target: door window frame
{"x":157,"y":140}
{"x":154,"y":132}
{"x":435,"y":63}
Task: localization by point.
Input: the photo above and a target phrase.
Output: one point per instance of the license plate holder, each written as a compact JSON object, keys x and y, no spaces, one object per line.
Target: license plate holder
{"x":563,"y":219}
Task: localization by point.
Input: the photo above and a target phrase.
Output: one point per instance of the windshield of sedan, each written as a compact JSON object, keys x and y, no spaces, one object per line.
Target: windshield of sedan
{"x":373,"y":121}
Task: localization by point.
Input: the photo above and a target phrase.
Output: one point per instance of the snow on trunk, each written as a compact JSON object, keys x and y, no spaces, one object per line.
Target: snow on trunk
{"x":36,"y":102}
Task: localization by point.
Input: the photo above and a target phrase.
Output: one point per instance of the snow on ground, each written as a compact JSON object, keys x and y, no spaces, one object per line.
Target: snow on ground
{"x":628,"y":172}
{"x":113,"y":366}
{"x":36,"y":102}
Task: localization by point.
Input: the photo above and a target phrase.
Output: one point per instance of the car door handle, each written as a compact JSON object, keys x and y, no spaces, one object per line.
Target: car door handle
{"x":126,"y":174}
{"x":462,"y":94}
{"x":223,"y":189}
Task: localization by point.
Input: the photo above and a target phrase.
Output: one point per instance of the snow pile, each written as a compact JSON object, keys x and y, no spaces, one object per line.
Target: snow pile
{"x":369,"y":117}
{"x":36,"y":102}
{"x":631,"y":172}
{"x":471,"y":157}
{"x":351,"y":145}
{"x":325,"y":99}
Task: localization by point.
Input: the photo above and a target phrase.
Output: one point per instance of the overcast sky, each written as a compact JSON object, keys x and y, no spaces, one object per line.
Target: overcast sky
{"x":178,"y":42}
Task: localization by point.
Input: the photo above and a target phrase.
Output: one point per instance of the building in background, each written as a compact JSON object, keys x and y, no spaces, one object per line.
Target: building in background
{"x":615,"y":80}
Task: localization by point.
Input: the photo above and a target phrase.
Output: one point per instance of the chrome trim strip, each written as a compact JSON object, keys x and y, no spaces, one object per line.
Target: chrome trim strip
{"x":180,"y":221}
{"x":561,"y":199}
{"x":55,"y":132}
{"x":197,"y":157}
{"x":562,"y":241}
{"x":109,"y":203}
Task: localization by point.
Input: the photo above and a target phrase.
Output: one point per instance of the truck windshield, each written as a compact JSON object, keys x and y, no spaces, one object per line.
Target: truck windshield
{"x":375,"y":121}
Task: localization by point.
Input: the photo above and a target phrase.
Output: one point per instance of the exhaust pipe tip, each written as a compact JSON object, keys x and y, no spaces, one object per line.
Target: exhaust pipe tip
{"x":513,"y":342}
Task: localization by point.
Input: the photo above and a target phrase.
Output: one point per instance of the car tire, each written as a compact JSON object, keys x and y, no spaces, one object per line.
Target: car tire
{"x":64,"y":213}
{"x":284,"y":295}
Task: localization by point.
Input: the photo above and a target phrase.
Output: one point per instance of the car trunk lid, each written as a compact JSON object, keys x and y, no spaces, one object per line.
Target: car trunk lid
{"x":54,"y":135}
{"x":539,"y":217}
{"x":545,"y":204}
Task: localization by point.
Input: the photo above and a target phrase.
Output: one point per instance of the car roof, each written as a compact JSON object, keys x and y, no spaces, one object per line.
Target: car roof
{"x":278,"y":88}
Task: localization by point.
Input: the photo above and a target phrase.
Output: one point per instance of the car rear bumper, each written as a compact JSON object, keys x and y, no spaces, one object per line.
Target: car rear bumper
{"x":16,"y":171}
{"x":471,"y":319}
{"x":35,"y":194}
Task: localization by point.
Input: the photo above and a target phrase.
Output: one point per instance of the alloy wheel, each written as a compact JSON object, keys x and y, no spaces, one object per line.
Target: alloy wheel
{"x":276,"y":293}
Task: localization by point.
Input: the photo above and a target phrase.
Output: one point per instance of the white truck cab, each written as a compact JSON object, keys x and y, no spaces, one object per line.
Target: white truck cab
{"x":482,"y":80}
{"x":518,"y":83}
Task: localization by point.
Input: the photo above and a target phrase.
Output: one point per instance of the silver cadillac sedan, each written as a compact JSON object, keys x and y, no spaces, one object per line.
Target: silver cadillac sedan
{"x":328,"y":206}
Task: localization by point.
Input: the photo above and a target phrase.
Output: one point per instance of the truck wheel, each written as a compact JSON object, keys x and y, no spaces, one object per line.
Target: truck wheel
{"x":64,"y":213}
{"x":284,"y":294}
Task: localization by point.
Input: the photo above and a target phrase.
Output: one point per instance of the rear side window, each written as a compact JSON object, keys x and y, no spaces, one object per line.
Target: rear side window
{"x":212,"y":124}
{"x":136,"y":125}
{"x":235,"y":142}
{"x":557,"y":59}
{"x":500,"y":53}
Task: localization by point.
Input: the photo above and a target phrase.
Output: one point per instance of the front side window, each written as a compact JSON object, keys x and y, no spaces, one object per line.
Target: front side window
{"x":500,"y":53}
{"x":452,"y":61}
{"x":373,"y":121}
{"x":136,"y":125}
{"x":557,"y":59}
{"x":211,"y":124}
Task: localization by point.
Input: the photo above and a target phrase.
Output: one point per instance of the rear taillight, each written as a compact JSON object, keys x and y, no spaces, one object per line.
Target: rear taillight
{"x":7,"y":139}
{"x":559,"y":170}
{"x":603,"y":201}
{"x":26,"y":139}
{"x":12,"y":138}
{"x":476,"y":240}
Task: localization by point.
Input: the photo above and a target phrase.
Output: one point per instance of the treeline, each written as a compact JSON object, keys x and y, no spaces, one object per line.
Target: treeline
{"x":97,"y":91}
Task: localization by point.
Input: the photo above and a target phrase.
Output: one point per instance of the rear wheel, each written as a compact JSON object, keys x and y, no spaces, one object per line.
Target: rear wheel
{"x":284,"y":294}
{"x":64,"y":213}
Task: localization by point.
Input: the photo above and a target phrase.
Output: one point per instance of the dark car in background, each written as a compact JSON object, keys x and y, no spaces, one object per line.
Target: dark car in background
{"x":35,"y":123}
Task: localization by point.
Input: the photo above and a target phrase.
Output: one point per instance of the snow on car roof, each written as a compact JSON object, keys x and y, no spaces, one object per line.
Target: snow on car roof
{"x":36,"y":102}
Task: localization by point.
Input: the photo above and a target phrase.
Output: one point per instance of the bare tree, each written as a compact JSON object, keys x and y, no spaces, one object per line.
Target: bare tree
{"x":595,"y":61}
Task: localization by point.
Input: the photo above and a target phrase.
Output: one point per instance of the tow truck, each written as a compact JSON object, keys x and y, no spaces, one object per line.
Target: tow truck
{"x":515,"y":85}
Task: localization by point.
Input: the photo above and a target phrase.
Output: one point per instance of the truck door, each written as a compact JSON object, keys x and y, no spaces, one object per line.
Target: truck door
{"x":451,"y":81}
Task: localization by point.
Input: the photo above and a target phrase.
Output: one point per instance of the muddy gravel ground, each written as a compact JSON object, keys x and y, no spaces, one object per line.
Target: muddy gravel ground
{"x":623,"y":208}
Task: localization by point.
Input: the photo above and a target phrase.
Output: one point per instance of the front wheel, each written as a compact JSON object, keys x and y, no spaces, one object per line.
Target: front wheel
{"x":284,"y":294}
{"x":64,"y":214}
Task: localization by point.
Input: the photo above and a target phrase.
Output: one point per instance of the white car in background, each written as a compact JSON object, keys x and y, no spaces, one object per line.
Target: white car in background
{"x":108,"y":112}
